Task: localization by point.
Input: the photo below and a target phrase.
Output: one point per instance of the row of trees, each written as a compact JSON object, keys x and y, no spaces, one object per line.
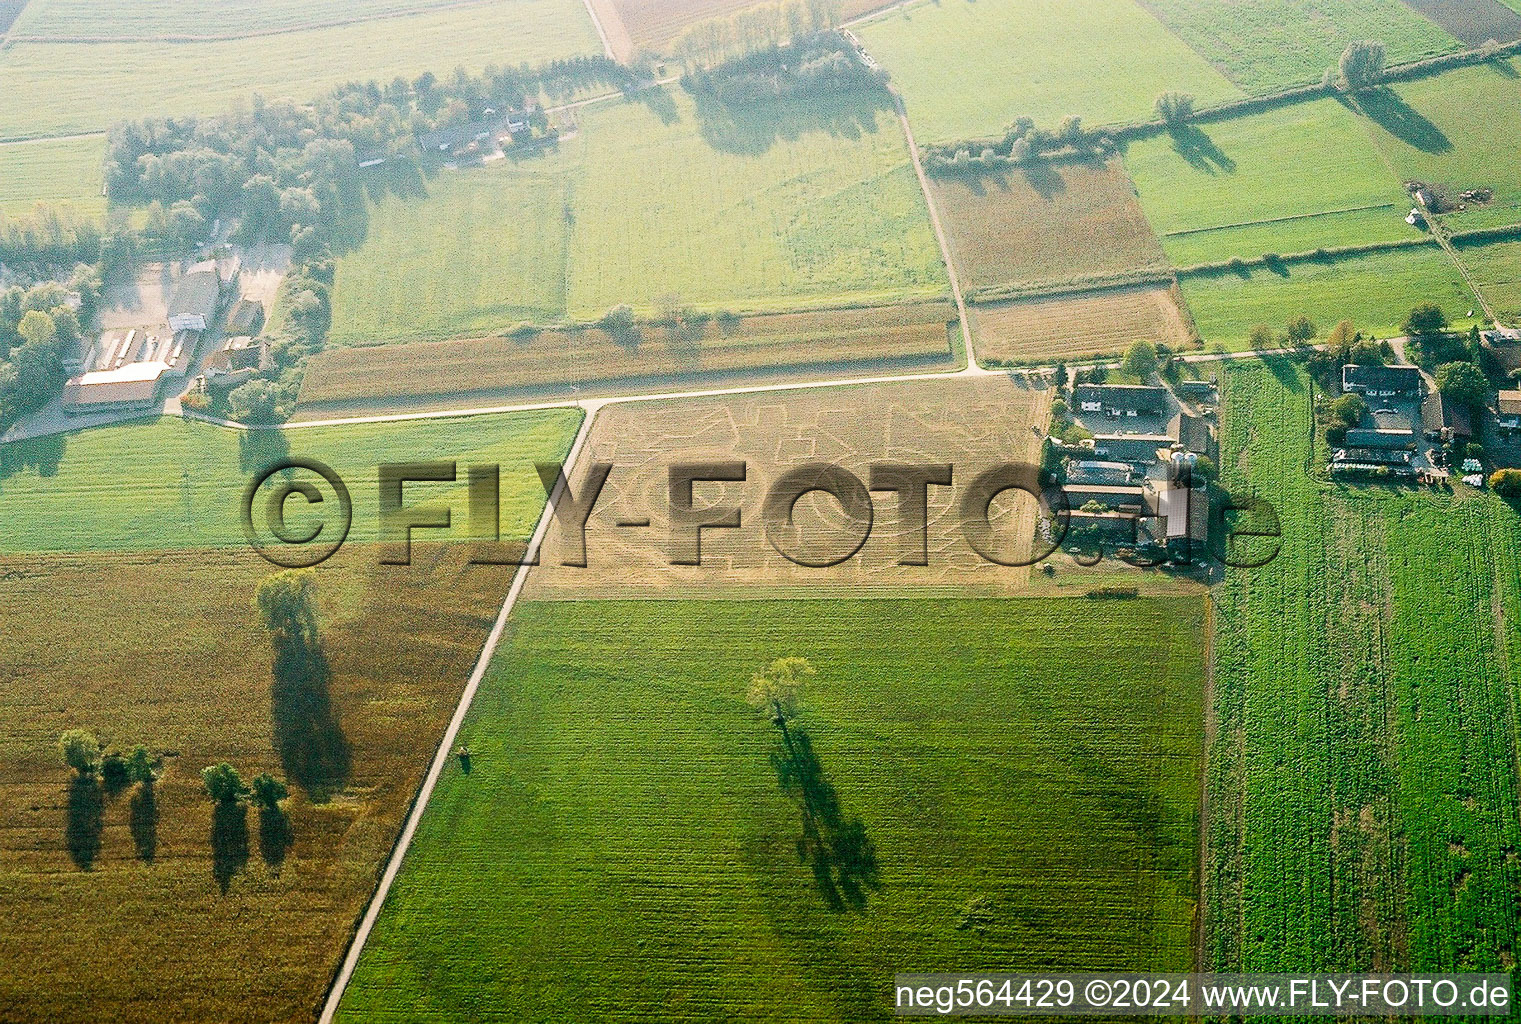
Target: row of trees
{"x":1022,"y":143}
{"x":818,"y":63}
{"x":764,"y":26}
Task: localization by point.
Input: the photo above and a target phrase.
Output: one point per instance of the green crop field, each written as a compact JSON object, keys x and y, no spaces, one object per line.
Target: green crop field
{"x":1056,"y":791}
{"x":172,"y":483}
{"x":1254,"y":184}
{"x":1362,"y":784}
{"x":83,"y":87}
{"x":63,"y":172}
{"x":72,"y":19}
{"x":1456,"y":131}
{"x":1266,"y":45}
{"x":1375,"y":292}
{"x":967,"y":69}
{"x":762,"y":207}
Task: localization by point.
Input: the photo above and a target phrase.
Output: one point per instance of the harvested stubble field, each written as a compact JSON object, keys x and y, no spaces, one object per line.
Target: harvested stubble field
{"x":1455,"y":131}
{"x":1010,"y":809}
{"x":1362,"y":787}
{"x":974,"y":424}
{"x":174,"y":484}
{"x":1046,"y":224}
{"x":1263,"y":183}
{"x":559,"y":364}
{"x":1079,"y":326}
{"x":766,"y":206}
{"x":125,"y":600}
{"x":163,"y":648}
{"x":969,"y":67}
{"x":1266,"y":45}
{"x":84,"y":87}
{"x":66,"y":172}
{"x":1374,"y":291}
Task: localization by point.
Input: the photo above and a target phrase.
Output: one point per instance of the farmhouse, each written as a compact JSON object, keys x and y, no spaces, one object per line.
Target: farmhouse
{"x":1509,"y":408}
{"x":1381,"y":381}
{"x":1140,"y":450}
{"x":1120,"y":399}
{"x":1441,"y":414}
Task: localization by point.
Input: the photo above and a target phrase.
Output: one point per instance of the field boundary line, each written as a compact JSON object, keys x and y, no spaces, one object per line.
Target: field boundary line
{"x":258,"y":33}
{"x":441,"y":757}
{"x":934,"y":216}
{"x":607,"y":42}
{"x":1279,"y":220}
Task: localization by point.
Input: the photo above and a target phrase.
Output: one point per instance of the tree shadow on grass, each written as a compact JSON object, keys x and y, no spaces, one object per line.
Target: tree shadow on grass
{"x":43,"y":455}
{"x":660,"y":103}
{"x":260,"y":449}
{"x":1199,"y":151}
{"x":275,"y":836}
{"x":229,"y":842}
{"x":85,"y":821}
{"x":837,"y":849}
{"x":143,"y":822}
{"x":1390,"y":112}
{"x":752,"y":128}
{"x":313,"y":748}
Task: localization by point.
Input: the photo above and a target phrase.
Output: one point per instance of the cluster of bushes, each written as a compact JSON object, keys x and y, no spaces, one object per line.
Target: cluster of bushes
{"x":1022,"y":143}
{"x":1506,"y":483}
{"x":85,"y":754}
{"x":40,"y":325}
{"x":818,"y":63}
{"x":762,"y":27}
{"x":1344,"y":413}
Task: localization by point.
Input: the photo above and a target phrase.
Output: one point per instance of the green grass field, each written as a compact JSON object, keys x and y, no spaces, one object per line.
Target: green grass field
{"x":1060,"y":788}
{"x":84,"y":87}
{"x":175,"y":484}
{"x":485,"y":249}
{"x":72,"y":19}
{"x":764,"y":207}
{"x":1363,"y":782}
{"x":1252,"y":185}
{"x":1456,"y":131}
{"x":1375,"y":292}
{"x":65,"y":172}
{"x":1496,"y":269}
{"x":967,"y":69}
{"x":1266,"y":45}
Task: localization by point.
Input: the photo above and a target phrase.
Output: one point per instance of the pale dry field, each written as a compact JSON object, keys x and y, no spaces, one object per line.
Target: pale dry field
{"x":973,"y":424}
{"x":1078,"y":326}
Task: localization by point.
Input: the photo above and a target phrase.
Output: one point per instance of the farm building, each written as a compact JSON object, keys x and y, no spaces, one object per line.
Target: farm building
{"x":1381,"y":438}
{"x":1120,"y":399}
{"x":1370,"y":458}
{"x":1509,"y":408}
{"x":131,"y":386}
{"x":1137,"y":449}
{"x":1120,"y":525}
{"x":1119,"y":498}
{"x":1093,"y":472}
{"x":1381,"y":381}
{"x":1192,"y":432}
{"x":196,"y":299}
{"x":1198,"y":390}
{"x":1440,"y":413}
{"x":1181,"y":513}
{"x":238,"y":353}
